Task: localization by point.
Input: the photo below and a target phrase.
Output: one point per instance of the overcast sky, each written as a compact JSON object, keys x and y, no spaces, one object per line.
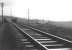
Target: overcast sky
{"x":56,"y":10}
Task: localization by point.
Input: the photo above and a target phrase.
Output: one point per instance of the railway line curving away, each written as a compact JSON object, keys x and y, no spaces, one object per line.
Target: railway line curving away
{"x":43,"y":41}
{"x":15,"y":36}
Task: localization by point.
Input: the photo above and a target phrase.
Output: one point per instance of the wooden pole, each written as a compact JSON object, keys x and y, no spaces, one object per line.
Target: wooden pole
{"x":2,"y":6}
{"x":28,"y":15}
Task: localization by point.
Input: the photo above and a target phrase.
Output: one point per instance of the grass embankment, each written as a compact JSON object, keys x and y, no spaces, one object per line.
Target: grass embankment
{"x":7,"y":38}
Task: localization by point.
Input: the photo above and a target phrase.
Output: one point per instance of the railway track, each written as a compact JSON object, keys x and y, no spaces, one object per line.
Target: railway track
{"x":35,"y":39}
{"x":23,"y":43}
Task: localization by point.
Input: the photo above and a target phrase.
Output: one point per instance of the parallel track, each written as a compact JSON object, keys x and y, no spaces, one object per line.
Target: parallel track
{"x":43,"y":40}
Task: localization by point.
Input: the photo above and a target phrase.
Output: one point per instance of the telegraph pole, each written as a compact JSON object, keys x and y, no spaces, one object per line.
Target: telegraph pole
{"x":11,"y":12}
{"x":2,"y":6}
{"x":28,"y":16}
